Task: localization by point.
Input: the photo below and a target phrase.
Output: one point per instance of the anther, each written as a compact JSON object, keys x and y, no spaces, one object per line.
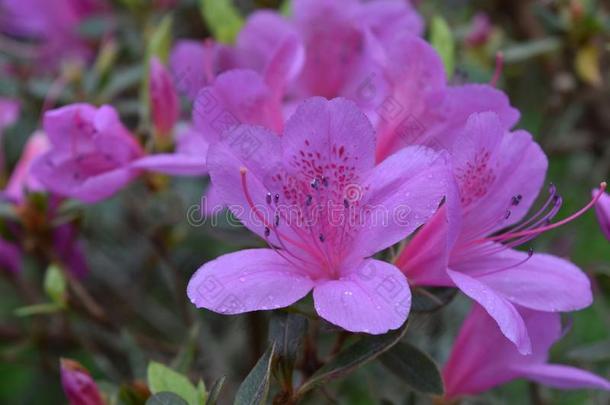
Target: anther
{"x":345,"y":203}
{"x":321,"y":238}
{"x":267,"y":232}
{"x":268,"y":197}
{"x":276,"y":198}
{"x":308,"y":200}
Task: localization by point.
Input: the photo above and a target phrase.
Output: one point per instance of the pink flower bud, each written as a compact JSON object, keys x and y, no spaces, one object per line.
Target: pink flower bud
{"x":21,"y":179}
{"x":163,"y":98}
{"x":78,"y":384}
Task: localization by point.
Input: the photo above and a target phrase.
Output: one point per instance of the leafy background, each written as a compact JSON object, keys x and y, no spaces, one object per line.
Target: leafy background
{"x":142,"y":250}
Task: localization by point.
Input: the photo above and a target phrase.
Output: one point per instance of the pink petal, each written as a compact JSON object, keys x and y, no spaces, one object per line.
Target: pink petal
{"x":21,"y":180}
{"x":564,"y":377}
{"x":248,"y":280}
{"x":173,"y":164}
{"x":389,"y":18}
{"x":602,"y":210}
{"x":518,"y":168}
{"x":400,"y":195}
{"x":424,"y":259}
{"x":479,"y":357}
{"x":417,"y":79}
{"x":259,"y":152}
{"x":543,"y":282}
{"x":329,"y":128}
{"x":63,"y":125}
{"x":236,"y":97}
{"x":373,"y":297}
{"x":503,"y":311}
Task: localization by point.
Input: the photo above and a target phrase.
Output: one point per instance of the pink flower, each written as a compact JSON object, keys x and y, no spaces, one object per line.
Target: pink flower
{"x":316,"y":197}
{"x":343,"y":39}
{"x":21,"y":179}
{"x":91,"y":153}
{"x":79,"y":387}
{"x":482,"y":358}
{"x":9,"y":111}
{"x":418,"y":107}
{"x":53,"y":24}
{"x":602,"y":209}
{"x":470,"y":241}
{"x":165,"y":106}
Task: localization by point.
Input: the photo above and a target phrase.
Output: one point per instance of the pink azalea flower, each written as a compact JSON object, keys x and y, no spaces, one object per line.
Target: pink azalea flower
{"x":482,"y":358}
{"x":91,"y":153}
{"x":189,"y":158}
{"x":498,"y":175}
{"x":54,"y":24}
{"x":165,"y":106}
{"x":21,"y":179}
{"x":236,"y":97}
{"x":79,"y":387}
{"x":602,"y":209}
{"x":316,"y":197}
{"x":9,"y":112}
{"x":419,"y":107}
{"x":340,"y":38}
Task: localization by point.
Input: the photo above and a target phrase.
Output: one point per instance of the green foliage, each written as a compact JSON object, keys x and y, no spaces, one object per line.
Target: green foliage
{"x":164,"y":379}
{"x":255,"y":388}
{"x":222,"y":18}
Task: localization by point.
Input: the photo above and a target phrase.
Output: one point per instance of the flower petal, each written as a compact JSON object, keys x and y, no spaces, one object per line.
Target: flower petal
{"x":321,"y":126}
{"x":373,"y":297}
{"x":248,"y":280}
{"x":256,"y":150}
{"x":400,"y":195}
{"x":564,"y":377}
{"x":503,"y":311}
{"x":236,"y":97}
{"x":542,"y":282}
{"x":602,"y":210}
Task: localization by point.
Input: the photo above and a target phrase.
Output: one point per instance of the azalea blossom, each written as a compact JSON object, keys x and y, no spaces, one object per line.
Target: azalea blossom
{"x":52,"y":24}
{"x":316,"y":197}
{"x":91,"y":153}
{"x":602,"y":209}
{"x":22,"y":179}
{"x":79,"y":387}
{"x":482,"y":358}
{"x":164,"y":102}
{"x":9,"y":112}
{"x":340,"y":38}
{"x":471,"y":246}
{"x":64,"y":238}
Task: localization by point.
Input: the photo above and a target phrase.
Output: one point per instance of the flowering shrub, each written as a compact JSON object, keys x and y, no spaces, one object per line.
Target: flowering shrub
{"x":327,"y":201}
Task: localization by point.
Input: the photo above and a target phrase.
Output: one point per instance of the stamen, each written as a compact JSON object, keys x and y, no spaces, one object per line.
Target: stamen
{"x":268,"y":197}
{"x":498,"y":70}
{"x":539,"y":230}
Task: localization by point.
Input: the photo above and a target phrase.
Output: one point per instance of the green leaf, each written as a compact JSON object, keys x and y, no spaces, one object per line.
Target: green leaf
{"x":442,"y":40}
{"x":365,"y":350}
{"x":162,"y":378}
{"x":414,"y":367}
{"x":165,"y":398}
{"x":254,"y":389}
{"x":202,"y":394}
{"x":527,"y":50}
{"x":431,"y":299}
{"x":214,"y":393}
{"x":161,"y":39}
{"x":222,"y":18}
{"x":286,"y":331}
{"x":55,"y":285}
{"x":38,"y":309}
{"x":286,"y":8}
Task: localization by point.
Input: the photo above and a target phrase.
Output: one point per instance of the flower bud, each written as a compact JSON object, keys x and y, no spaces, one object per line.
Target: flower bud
{"x":165,"y":106}
{"x":78,"y":385}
